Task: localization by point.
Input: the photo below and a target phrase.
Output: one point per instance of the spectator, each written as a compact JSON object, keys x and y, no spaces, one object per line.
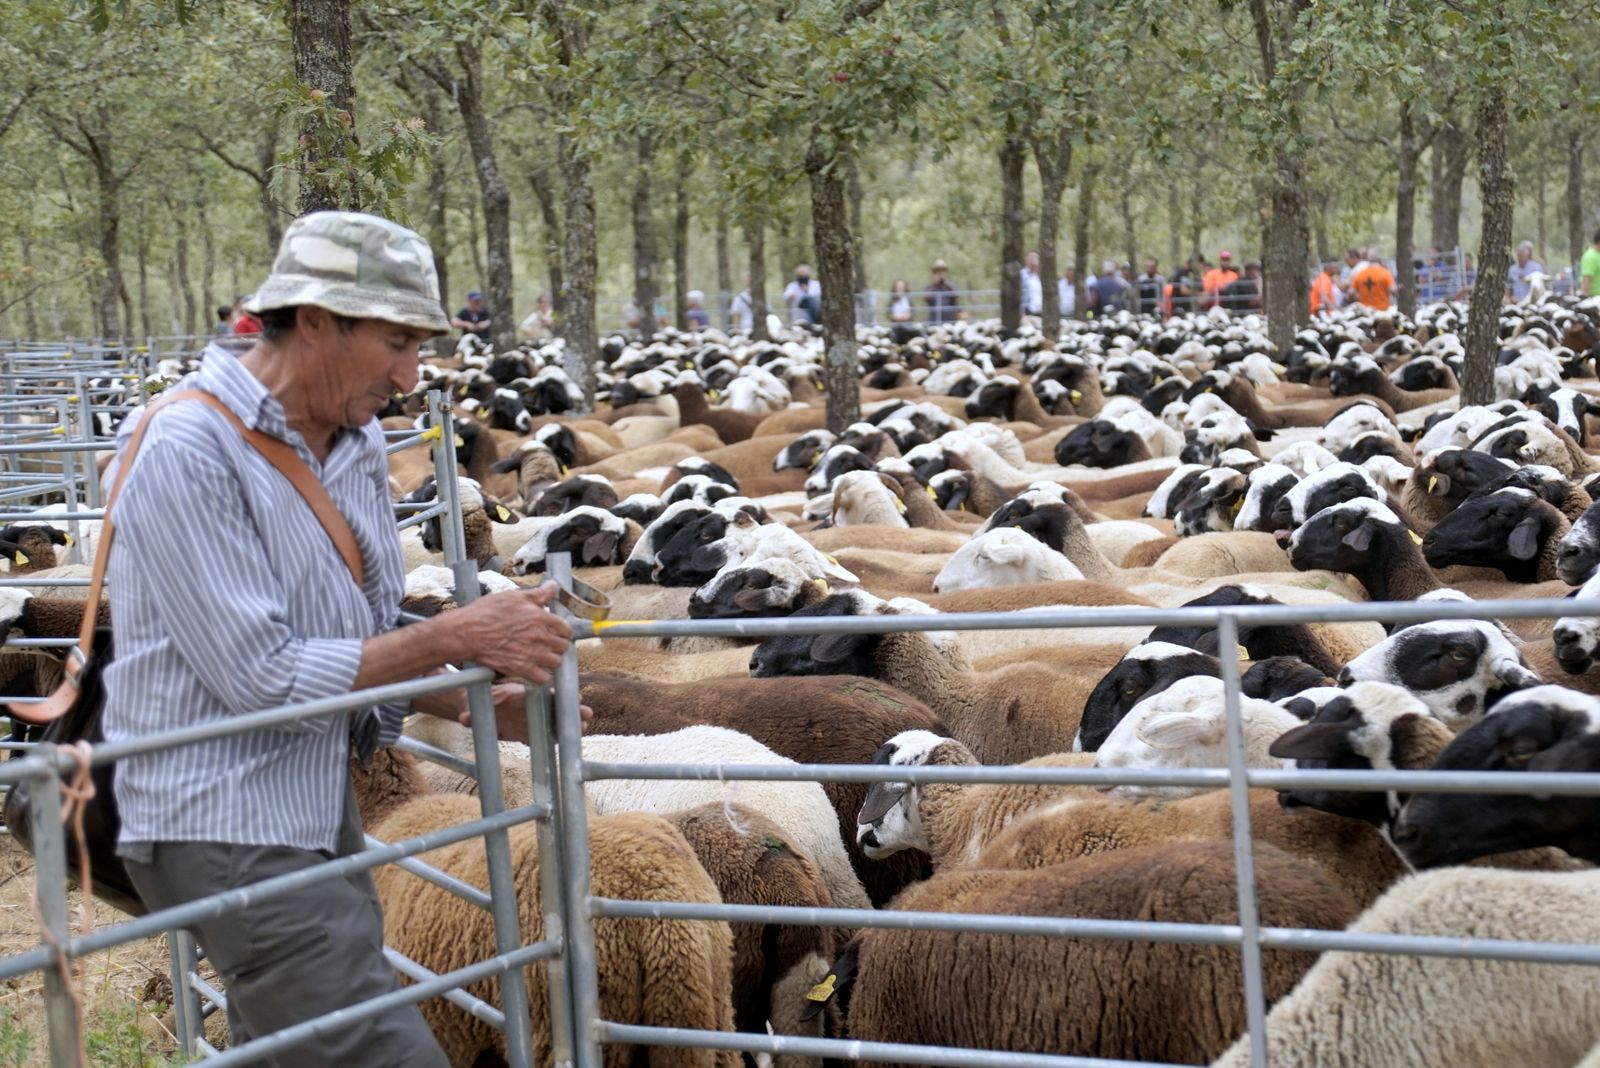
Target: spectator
{"x":900,"y":309}
{"x":1032,"y":287}
{"x":1067,"y":292}
{"x":1180,"y":291}
{"x":1373,"y":283}
{"x":1325,"y":295}
{"x":1219,"y":278}
{"x":804,"y":297}
{"x":1519,"y":273}
{"x":474,"y":318}
{"x":743,"y":309}
{"x":224,"y":324}
{"x":243,"y":321}
{"x":1469,"y":278}
{"x":943,"y":304}
{"x":1111,"y":292}
{"x":1589,"y":269}
{"x":695,"y":315}
{"x":1354,"y":260}
{"x":1243,"y":295}
{"x":540,"y":323}
{"x":1152,"y":288}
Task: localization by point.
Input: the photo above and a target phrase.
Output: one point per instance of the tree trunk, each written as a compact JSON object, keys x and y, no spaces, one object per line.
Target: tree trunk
{"x":755,"y":235}
{"x":1013,"y":154}
{"x":1174,"y":227}
{"x":1494,"y":251}
{"x":473,"y":244}
{"x":1405,"y":212}
{"x":1054,"y":163}
{"x":550,"y":217}
{"x":1319,"y":228}
{"x":30,"y":321}
{"x":1454,"y":148}
{"x":266,"y":160}
{"x":830,"y":226}
{"x":208,"y":264}
{"x":1284,"y":262}
{"x":438,"y":188}
{"x":1080,"y":237}
{"x":1575,"y":235}
{"x":1196,"y":219}
{"x":854,"y":191}
{"x":680,"y":241}
{"x":724,"y":267}
{"x":113,"y":291}
{"x":181,"y":276}
{"x":496,"y":198}
{"x":1540,"y":215}
{"x":323,"y":59}
{"x":644,"y":239}
{"x":146,"y":323}
{"x":570,"y":33}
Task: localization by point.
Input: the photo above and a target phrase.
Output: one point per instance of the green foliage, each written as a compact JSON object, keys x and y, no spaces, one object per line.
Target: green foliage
{"x":369,"y":171}
{"x":16,"y":1040}
{"x":116,"y":1041}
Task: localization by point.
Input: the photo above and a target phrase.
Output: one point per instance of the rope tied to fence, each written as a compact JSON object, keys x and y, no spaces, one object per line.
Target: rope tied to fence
{"x":77,"y":790}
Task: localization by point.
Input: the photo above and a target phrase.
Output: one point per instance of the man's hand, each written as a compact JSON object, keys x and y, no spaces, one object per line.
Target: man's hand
{"x":514,"y":633}
{"x":511,"y":712}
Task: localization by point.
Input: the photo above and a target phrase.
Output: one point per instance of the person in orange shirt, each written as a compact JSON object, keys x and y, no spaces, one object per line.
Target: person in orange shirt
{"x":1325,"y":289}
{"x":1373,"y":283}
{"x":1219,"y":277}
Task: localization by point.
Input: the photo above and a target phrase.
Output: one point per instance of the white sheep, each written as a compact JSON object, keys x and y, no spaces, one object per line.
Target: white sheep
{"x":1005,"y":556}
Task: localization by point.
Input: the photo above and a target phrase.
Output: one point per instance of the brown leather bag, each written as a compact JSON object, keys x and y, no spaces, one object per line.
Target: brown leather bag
{"x":72,"y":712}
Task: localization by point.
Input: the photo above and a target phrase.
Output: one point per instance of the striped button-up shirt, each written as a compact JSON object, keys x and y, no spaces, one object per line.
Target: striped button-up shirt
{"x":229,"y":597}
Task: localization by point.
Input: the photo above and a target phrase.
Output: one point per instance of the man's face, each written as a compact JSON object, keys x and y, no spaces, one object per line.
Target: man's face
{"x":1225,"y":262}
{"x":1523,"y":256}
{"x":940,"y":274}
{"x":1033,"y":261}
{"x":1150,"y":266}
{"x":366,"y":365}
{"x":802,"y":276}
{"x":475,"y":304}
{"x":1351,"y":258}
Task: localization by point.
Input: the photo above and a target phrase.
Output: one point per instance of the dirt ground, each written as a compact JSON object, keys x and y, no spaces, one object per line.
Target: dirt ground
{"x":127,"y":992}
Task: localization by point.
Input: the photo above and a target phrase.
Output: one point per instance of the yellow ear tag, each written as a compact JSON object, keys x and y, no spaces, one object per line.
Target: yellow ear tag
{"x":1432,"y":482}
{"x":503,"y":512}
{"x":461,"y":391}
{"x":1207,"y":389}
{"x":564,"y":470}
{"x":1415,"y":536}
{"x":1241,"y":652}
{"x":822,"y":385}
{"x":823,"y":990}
{"x":21,"y":558}
{"x":713,"y":396}
{"x":1074,"y":396}
{"x":71,"y":541}
{"x":461,"y":442}
{"x":815,"y":460}
{"x":900,"y":506}
{"x":832,"y":560}
{"x":822,"y":584}
{"x":1238,"y":506}
{"x":929,"y":491}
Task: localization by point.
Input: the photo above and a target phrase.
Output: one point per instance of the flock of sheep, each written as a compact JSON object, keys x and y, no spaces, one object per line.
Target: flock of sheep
{"x":1131,"y":463}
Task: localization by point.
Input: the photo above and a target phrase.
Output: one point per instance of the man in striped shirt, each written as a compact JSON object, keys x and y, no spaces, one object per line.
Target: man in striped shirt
{"x":230,"y":597}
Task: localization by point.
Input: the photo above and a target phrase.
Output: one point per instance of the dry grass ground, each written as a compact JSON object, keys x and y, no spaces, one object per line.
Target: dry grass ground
{"x":127,"y":992}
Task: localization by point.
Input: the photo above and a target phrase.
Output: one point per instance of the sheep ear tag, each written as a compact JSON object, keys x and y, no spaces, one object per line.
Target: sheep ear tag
{"x":502,"y":513}
{"x":71,"y":540}
{"x":823,"y":990}
{"x":1238,"y":506}
{"x":21,"y":559}
{"x":1418,"y":539}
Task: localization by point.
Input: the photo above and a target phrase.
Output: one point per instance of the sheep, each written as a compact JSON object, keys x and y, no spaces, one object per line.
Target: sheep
{"x":1144,"y":1001}
{"x":949,"y":822}
{"x":816,"y":721}
{"x":1005,"y":716}
{"x":1337,"y":482}
{"x":1543,"y":728}
{"x":1458,"y":668}
{"x":864,"y":497}
{"x":1174,"y":490}
{"x":774,"y":965}
{"x":594,"y":536}
{"x":1531,"y":442}
{"x":1280,"y":678}
{"x":1003,"y":557}
{"x":1578,"y":557}
{"x":1147,"y":669}
{"x":1184,"y":726}
{"x":536,"y":467}
{"x":1446,"y":477}
{"x":1264,"y":487}
{"x":1570,"y":409}
{"x":657,"y":972}
{"x":26,"y":548}
{"x":1359,"y":1010}
{"x":1366,"y":540}
{"x":1213,"y":504}
{"x":1362,"y":375}
{"x":730,"y":425}
{"x":775,"y":586}
{"x":800,"y":808}
{"x":1509,"y":529}
{"x":1323,"y":646}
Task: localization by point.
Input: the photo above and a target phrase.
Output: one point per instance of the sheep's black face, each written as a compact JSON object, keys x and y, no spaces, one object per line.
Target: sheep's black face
{"x":883,"y":378}
{"x":1347,"y":381}
{"x":623,"y":394}
{"x":1334,"y":540}
{"x":656,"y":539}
{"x":1503,"y":530}
{"x":820,"y":654}
{"x":508,"y":413}
{"x":1423,"y":374}
{"x":1130,"y":682}
{"x":641,"y":511}
{"x":1323,"y":744}
{"x":690,"y":558}
{"x":992,"y":401}
{"x":951,"y":493}
{"x":1045,"y":523}
{"x":747,"y":592}
{"x":1456,"y":474}
{"x":1579,"y":554}
{"x":803,"y":452}
{"x":559,"y":440}
{"x":1210,"y":382}
{"x":1278,"y":677}
{"x":1098,"y":444}
{"x":926,"y":467}
{"x":1325,"y":494}
{"x":1367,"y":446}
{"x":508,"y":367}
{"x":840,"y":462}
{"x":1271,"y":495}
{"x":587,"y":539}
{"x":1435,"y":830}
{"x":1506,"y":445}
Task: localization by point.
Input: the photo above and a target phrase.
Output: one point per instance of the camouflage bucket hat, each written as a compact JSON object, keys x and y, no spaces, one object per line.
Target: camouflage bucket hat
{"x":356,"y":265}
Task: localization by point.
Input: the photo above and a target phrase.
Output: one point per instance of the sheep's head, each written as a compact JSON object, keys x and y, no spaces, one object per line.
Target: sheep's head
{"x":1279,"y":677}
{"x":1332,"y":485}
{"x":1455,"y":473}
{"x":593,"y":536}
{"x":1174,"y":490}
{"x":643,"y":563}
{"x":824,"y":654}
{"x":774,"y":587}
{"x":701,"y":489}
{"x":1458,"y":668}
{"x":1351,"y":423}
{"x":994,"y":400}
{"x":33,"y":546}
{"x":1005,"y":556}
{"x":1213,"y":505}
{"x":1577,"y":638}
{"x":867,"y":497}
{"x":1370,"y":726}
{"x":890,"y":819}
{"x":804,"y":451}
{"x":1505,"y":529}
{"x":1579,"y":555}
{"x":1343,"y":537}
{"x":592,"y":491}
{"x":838,"y":460}
{"x":1543,"y":729}
{"x":641,"y":508}
{"x":699,"y":467}
{"x":1146,"y":670}
{"x":1266,"y":486}
{"x":1360,"y":375}
{"x":536,"y":465}
{"x":1100,"y":443}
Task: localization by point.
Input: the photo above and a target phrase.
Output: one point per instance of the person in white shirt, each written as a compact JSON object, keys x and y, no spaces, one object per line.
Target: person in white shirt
{"x":1032,"y":287}
{"x":743,"y":309}
{"x":804,"y":297}
{"x":1066,"y":286}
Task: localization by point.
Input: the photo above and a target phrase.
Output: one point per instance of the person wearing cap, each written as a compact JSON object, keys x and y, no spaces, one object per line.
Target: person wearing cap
{"x":695,"y":313}
{"x":1218,"y":278}
{"x":474,"y":318}
{"x":940,"y":296}
{"x":230,"y":598}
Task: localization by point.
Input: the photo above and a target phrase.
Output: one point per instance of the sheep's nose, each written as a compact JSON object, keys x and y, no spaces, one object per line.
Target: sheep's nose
{"x":1403,"y":833}
{"x":1346,"y":677}
{"x":636,"y":571}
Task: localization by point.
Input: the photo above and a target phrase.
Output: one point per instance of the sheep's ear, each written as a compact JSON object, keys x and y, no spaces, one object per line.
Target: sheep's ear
{"x":1524,"y":541}
{"x":880,"y":800}
{"x":1514,"y":676}
{"x":510,"y":463}
{"x":1359,"y":539}
{"x":1311,"y":741}
{"x":60,"y":537}
{"x":600,"y":547}
{"x":836,"y":984}
{"x":752,"y":598}
{"x":708,"y":558}
{"x":1175,"y":730}
{"x":832,"y":648}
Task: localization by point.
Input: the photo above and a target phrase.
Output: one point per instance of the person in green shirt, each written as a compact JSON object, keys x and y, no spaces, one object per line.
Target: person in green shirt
{"x":1589,"y":269}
